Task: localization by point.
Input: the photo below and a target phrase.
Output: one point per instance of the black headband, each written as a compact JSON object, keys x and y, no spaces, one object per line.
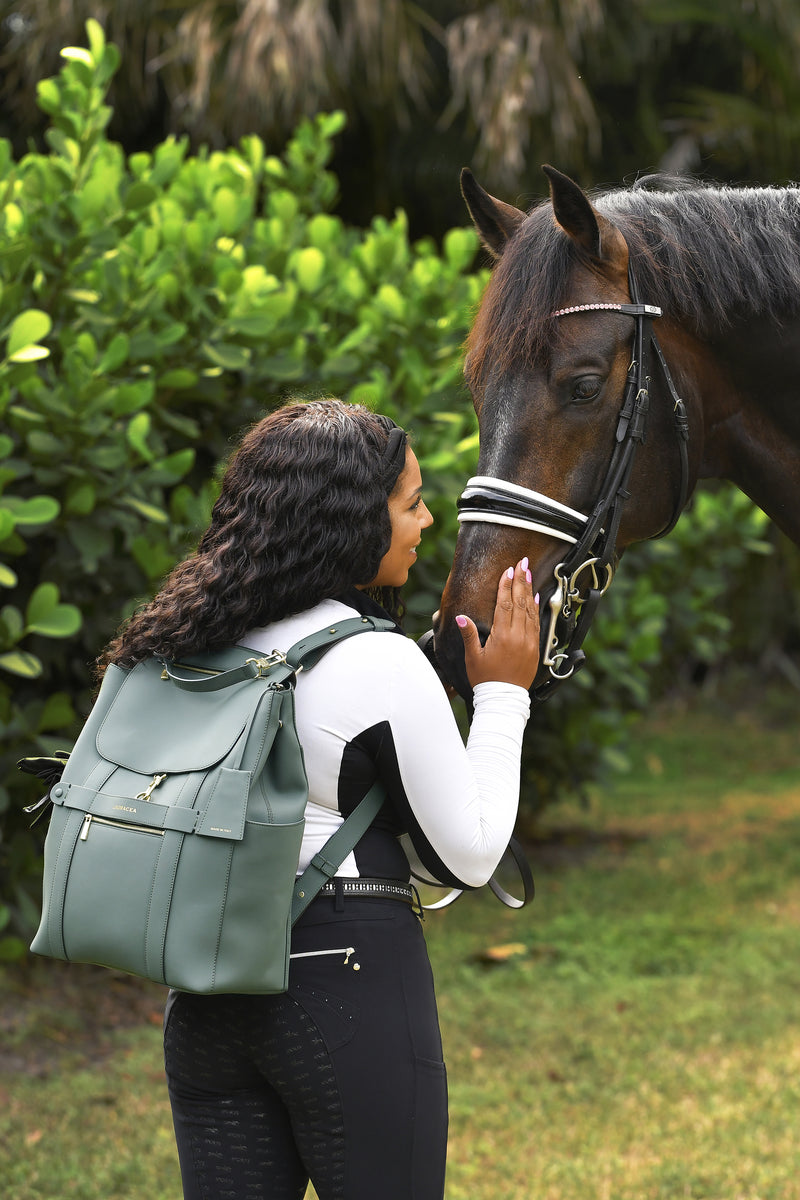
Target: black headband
{"x":394,"y":454}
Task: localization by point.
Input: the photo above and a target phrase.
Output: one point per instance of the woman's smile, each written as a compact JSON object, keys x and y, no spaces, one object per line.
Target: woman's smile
{"x":409,"y":516}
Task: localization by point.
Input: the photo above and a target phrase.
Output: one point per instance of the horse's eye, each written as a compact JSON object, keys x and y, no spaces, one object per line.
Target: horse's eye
{"x":587,"y":389}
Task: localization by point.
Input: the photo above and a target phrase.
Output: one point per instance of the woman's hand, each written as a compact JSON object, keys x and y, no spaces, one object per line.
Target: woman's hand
{"x":511,"y":652}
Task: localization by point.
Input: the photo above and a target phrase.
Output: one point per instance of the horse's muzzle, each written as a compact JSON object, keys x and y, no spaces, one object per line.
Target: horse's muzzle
{"x":444,"y":649}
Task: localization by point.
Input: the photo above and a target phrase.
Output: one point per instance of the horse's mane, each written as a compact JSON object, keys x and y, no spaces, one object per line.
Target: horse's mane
{"x":706,"y":255}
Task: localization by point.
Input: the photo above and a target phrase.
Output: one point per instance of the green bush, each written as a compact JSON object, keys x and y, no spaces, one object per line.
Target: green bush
{"x":669,"y":614}
{"x":150,"y":308}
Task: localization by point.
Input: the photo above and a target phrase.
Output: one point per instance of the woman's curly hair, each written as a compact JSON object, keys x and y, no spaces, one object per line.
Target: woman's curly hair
{"x":302,"y":515}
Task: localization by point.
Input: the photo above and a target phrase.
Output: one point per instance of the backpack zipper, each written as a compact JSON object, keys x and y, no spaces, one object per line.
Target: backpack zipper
{"x":264,"y":663}
{"x":187,"y":667}
{"x":91,"y":818}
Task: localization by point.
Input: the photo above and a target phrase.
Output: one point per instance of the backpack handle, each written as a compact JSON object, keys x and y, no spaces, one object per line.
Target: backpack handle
{"x":214,"y":681}
{"x":279,"y":668}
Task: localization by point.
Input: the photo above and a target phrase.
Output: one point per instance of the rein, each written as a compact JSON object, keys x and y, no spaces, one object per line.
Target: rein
{"x":587,"y":570}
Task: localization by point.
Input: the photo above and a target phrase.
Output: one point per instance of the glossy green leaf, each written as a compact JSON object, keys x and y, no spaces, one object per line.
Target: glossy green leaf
{"x":30,"y":354}
{"x":61,"y":622}
{"x":137,"y":434}
{"x":150,"y":511}
{"x":78,"y":54}
{"x":227,"y":207}
{"x":26,"y":330}
{"x":309,"y":267}
{"x":460,"y":247}
{"x":58,"y":712}
{"x":252,"y":324}
{"x":139,"y":195}
{"x":227,"y":355}
{"x":42,"y":602}
{"x":38,"y":510}
{"x":179,"y":378}
{"x":20,"y":662}
{"x":81,"y":499}
{"x":12,"y":623}
{"x":48,"y":95}
{"x":115,"y":354}
{"x":45,"y":445}
{"x":178,"y":464}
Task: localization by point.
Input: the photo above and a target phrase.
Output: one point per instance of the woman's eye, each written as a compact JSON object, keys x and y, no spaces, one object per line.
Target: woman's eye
{"x":586,"y":389}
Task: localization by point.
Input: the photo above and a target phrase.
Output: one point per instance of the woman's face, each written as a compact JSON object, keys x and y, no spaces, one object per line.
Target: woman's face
{"x":409,"y":517}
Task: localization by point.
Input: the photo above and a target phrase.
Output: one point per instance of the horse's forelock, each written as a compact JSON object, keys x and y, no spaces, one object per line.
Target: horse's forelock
{"x":514,"y":323}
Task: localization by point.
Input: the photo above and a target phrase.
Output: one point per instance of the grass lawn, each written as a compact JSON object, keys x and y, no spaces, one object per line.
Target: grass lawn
{"x":633,"y":1035}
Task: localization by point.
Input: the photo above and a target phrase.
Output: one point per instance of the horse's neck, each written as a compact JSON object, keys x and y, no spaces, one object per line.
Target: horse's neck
{"x":749,"y":381}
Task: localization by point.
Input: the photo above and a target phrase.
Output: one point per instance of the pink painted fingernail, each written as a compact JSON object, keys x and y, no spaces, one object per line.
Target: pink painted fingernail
{"x":510,"y":573}
{"x":536,"y":598}
{"x":524,"y":563}
{"x":528,"y":576}
{"x":461,"y":622}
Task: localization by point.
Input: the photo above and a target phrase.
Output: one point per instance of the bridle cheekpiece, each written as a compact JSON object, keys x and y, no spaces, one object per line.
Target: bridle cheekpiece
{"x":587,"y":570}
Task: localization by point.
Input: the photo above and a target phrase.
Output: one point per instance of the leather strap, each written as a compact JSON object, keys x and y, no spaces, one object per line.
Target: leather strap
{"x":306,"y":653}
{"x":526,"y":875}
{"x":326,"y":863}
{"x":278,"y":668}
{"x":211,"y":683}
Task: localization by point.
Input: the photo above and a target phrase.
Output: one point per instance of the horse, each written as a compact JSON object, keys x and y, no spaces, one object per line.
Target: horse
{"x":628,"y":344}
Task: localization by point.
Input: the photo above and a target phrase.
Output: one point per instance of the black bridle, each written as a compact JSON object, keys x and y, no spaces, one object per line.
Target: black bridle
{"x":588,"y":566}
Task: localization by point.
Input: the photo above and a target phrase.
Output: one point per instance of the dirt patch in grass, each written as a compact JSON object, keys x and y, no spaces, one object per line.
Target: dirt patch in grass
{"x":739,"y":815}
{"x":55,"y":1014}
{"x":572,"y":845}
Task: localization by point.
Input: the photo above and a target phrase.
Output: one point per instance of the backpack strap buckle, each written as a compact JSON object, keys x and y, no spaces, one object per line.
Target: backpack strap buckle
{"x":269,"y":661}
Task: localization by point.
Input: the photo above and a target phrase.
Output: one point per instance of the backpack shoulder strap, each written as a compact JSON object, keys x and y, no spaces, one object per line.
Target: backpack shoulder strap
{"x":326,"y":863}
{"x":306,"y":653}
{"x":302,"y":656}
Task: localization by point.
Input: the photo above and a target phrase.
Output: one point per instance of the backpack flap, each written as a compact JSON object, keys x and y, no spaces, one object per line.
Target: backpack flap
{"x":154,"y":727}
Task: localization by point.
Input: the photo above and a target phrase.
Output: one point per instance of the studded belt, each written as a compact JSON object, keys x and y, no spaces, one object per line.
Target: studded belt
{"x":392,"y":889}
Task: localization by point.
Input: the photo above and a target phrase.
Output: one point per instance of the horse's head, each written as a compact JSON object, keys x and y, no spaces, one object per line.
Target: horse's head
{"x":548,"y":388}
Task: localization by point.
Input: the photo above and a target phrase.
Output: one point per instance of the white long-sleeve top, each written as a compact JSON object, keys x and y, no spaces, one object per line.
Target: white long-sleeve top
{"x":374,"y":708}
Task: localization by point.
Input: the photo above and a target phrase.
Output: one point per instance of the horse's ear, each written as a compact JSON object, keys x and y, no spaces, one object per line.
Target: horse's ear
{"x":495,"y":221}
{"x":573,"y":211}
{"x":598,"y":236}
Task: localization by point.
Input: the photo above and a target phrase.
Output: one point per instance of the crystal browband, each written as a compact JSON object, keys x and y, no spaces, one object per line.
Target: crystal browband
{"x":632,"y":310}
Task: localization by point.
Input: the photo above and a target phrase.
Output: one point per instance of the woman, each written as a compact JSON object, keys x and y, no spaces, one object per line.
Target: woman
{"x":340,"y":1080}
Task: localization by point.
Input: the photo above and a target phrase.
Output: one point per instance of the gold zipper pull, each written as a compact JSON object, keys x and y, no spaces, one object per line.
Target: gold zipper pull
{"x":87,"y":820}
{"x":151,"y":787}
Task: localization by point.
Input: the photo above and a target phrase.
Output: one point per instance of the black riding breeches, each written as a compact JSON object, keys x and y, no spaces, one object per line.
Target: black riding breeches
{"x":340,"y":1080}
